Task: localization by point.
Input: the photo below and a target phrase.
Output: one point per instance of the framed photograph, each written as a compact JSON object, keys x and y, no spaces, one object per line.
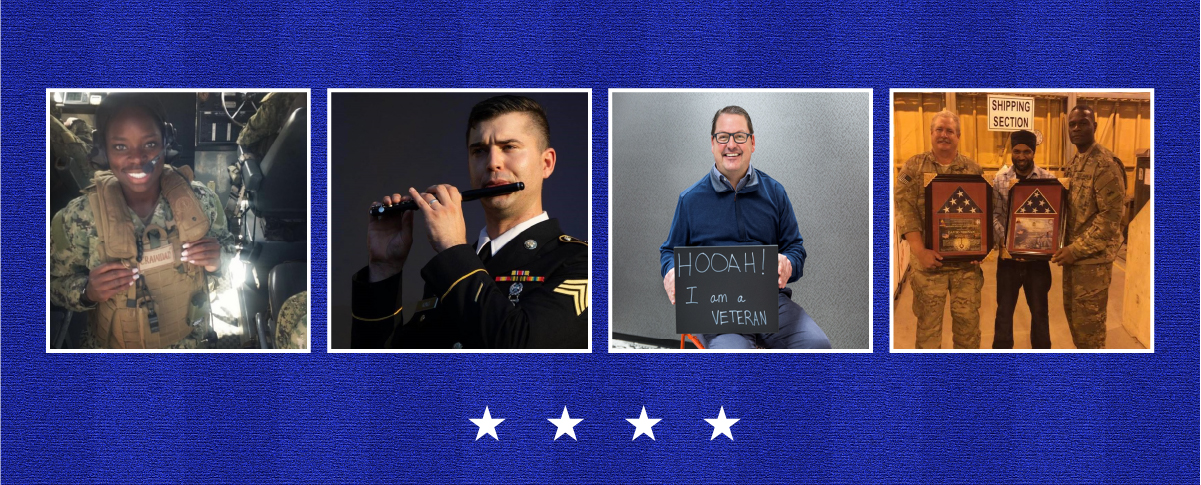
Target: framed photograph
{"x":959,"y":217}
{"x":1035,"y":226}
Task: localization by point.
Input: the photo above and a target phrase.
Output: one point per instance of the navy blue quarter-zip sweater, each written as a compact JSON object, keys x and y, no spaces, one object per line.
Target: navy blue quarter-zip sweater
{"x":712,"y":213}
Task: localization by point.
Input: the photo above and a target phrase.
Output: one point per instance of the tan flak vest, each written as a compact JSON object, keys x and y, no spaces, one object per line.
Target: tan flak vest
{"x":123,"y":322}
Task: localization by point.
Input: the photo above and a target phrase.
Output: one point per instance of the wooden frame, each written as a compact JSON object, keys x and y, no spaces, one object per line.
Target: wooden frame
{"x":959,"y":217}
{"x":1035,"y":219}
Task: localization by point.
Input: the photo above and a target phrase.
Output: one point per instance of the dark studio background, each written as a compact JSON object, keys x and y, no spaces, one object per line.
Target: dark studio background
{"x":384,"y":143}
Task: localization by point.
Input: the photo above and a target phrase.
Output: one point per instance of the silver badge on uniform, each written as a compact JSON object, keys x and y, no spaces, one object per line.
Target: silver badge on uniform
{"x":531,"y":244}
{"x":515,"y":292}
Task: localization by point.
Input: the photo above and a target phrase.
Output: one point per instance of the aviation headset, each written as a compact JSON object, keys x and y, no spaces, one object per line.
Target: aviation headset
{"x":113,"y":104}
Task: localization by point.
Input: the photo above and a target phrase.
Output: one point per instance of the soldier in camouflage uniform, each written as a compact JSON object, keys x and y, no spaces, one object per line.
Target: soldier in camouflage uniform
{"x":56,"y":111}
{"x":258,"y":135}
{"x":1093,"y":230}
{"x":71,"y":152}
{"x":932,"y":279}
{"x":131,"y":135}
{"x":292,"y":325}
{"x":80,"y":128}
{"x":261,"y":130}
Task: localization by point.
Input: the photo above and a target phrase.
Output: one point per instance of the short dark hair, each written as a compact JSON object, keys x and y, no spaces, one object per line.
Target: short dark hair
{"x":731,"y":110}
{"x":115,"y":103}
{"x":1086,"y":108}
{"x":500,"y":105}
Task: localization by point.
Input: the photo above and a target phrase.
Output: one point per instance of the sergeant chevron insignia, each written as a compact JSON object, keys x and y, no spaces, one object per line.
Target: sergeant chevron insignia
{"x":578,"y":291}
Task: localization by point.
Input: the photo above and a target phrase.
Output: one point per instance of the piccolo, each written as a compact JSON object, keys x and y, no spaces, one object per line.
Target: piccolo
{"x":382,"y":210}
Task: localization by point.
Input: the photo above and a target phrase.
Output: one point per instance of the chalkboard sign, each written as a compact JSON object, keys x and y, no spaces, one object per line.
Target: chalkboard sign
{"x":726,"y":289}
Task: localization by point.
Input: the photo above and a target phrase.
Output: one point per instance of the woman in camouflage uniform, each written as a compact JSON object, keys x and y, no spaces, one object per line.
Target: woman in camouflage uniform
{"x":135,"y":250}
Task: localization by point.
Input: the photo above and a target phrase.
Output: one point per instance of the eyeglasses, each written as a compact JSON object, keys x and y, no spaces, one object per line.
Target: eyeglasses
{"x":739,"y":138}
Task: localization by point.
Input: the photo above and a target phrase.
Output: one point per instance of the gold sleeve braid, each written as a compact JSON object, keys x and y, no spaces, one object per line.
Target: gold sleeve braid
{"x":397,"y":312}
{"x":461,"y":278}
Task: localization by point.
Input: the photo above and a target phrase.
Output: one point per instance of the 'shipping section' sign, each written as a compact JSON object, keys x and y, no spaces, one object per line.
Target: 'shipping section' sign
{"x":1010,"y":113}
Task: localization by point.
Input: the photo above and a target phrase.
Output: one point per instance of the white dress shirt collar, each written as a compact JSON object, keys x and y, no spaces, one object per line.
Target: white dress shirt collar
{"x":509,"y":235}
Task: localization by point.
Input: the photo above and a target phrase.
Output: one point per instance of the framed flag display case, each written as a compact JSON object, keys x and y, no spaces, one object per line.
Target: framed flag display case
{"x":959,"y":217}
{"x":1035,"y":211}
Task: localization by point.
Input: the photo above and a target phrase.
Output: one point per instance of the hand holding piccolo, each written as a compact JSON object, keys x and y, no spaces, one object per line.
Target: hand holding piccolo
{"x":382,"y":210}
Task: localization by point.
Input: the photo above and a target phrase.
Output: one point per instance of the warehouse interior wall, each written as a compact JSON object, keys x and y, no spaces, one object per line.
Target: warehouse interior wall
{"x":1123,"y":126}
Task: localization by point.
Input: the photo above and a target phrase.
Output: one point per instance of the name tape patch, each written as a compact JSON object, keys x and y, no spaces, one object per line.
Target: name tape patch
{"x":154,"y":258}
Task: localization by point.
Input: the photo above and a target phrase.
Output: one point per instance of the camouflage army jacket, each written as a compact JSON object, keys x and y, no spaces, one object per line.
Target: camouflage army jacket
{"x":70,"y":151}
{"x":1096,"y":201}
{"x":262,"y":128}
{"x":1001,"y":184}
{"x":909,"y":192}
{"x":74,"y":241}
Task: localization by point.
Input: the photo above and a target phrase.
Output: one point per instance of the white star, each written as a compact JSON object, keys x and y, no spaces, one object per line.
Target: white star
{"x":643,"y":425}
{"x":566,"y":425}
{"x":721,"y":425}
{"x":959,"y":209}
{"x":487,"y":425}
{"x":972,"y":210}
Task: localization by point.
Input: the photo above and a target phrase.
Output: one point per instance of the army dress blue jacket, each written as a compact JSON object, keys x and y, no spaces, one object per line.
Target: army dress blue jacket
{"x":533,"y":294}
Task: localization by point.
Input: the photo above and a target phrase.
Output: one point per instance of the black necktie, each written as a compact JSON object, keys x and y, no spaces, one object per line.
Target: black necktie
{"x":486,"y":252}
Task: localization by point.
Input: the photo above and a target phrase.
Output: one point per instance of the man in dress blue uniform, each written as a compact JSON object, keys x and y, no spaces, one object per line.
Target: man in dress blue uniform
{"x":735,"y":204}
{"x":524,"y":284}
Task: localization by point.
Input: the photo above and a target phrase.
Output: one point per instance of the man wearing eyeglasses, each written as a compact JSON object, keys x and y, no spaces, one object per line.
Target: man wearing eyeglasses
{"x":735,"y":204}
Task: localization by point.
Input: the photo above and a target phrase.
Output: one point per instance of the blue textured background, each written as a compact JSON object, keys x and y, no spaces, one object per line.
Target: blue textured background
{"x":844,"y":417}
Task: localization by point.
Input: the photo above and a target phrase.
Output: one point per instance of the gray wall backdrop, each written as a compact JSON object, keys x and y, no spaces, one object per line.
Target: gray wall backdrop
{"x":818,"y":145}
{"x":382,"y":143}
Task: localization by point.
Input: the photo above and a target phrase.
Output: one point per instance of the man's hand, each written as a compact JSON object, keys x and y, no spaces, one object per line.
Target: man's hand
{"x":205,"y":252}
{"x":669,"y":284}
{"x":389,"y":240}
{"x":442,"y":206}
{"x":784,"y":269}
{"x":927,"y":259}
{"x":108,"y":280}
{"x":1064,"y":256}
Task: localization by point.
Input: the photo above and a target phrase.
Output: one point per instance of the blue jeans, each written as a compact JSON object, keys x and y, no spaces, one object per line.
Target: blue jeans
{"x":797,"y":331}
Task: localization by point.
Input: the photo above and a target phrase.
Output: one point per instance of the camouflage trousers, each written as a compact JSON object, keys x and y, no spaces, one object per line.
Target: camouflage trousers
{"x":1085,"y":298}
{"x":930,"y":290}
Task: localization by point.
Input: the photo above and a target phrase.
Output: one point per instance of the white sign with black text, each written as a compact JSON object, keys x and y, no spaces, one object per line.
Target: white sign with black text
{"x":1010,"y":113}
